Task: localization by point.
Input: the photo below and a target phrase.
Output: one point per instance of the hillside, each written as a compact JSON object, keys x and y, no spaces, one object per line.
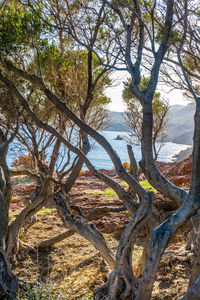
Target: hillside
{"x":180,"y":123}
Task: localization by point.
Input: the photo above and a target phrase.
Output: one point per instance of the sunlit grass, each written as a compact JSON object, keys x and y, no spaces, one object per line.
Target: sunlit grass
{"x":147,"y":186}
{"x":95,"y":192}
{"x":13,"y":215}
{"x":110,"y":193}
{"x":45,"y":210}
{"x":123,"y":183}
{"x":42,"y":291}
{"x":15,"y":197}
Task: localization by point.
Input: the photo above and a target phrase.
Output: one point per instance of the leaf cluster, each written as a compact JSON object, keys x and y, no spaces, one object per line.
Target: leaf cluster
{"x":19,"y":28}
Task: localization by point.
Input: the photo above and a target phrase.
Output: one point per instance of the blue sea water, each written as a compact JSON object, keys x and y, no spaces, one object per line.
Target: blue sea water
{"x":100,"y":159}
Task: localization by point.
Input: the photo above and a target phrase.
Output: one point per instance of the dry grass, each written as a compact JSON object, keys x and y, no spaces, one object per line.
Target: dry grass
{"x":72,"y":268}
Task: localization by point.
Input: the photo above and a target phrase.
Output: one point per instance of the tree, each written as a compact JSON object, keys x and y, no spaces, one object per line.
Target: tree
{"x":8,"y":281}
{"x":128,"y":38}
{"x":133,"y":116}
{"x":67,"y":65}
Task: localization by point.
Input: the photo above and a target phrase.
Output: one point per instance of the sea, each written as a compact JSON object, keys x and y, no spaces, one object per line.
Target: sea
{"x":100,"y":159}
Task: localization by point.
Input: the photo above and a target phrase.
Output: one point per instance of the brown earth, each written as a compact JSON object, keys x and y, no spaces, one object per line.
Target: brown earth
{"x":72,"y":268}
{"x":178,"y":173}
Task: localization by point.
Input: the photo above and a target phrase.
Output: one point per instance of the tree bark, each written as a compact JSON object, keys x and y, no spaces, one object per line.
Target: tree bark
{"x":77,"y":168}
{"x":195,"y":249}
{"x":84,"y":228}
{"x":147,"y":164}
{"x":38,"y":201}
{"x":133,"y":163}
{"x":162,"y":235}
{"x":122,"y":284}
{"x":57,"y":239}
{"x":8,"y":281}
{"x":193,"y":292}
{"x":160,"y":238}
{"x":4,"y":144}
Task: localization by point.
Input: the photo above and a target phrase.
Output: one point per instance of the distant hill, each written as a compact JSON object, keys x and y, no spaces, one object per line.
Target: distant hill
{"x":180,"y":123}
{"x":117,"y":122}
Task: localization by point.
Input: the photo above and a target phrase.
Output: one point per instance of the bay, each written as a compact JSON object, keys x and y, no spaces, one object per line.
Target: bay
{"x":100,"y":159}
{"x":98,"y":156}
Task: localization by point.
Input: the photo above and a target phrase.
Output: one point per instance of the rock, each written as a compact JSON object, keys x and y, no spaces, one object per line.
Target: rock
{"x":118,"y":138}
{"x":178,"y":173}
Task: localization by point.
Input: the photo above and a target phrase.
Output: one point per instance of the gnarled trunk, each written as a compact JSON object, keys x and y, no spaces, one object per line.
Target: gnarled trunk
{"x":162,"y":235}
{"x":84,"y":228}
{"x":147,"y":164}
{"x":122,"y":284}
{"x":8,"y":281}
{"x":38,"y":201}
{"x":77,"y":168}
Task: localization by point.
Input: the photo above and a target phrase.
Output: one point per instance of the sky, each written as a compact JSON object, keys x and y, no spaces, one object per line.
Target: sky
{"x":115,"y":93}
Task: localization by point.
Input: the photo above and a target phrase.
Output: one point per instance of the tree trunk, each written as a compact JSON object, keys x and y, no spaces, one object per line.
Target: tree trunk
{"x":154,"y":151}
{"x":77,"y":168}
{"x":162,"y":235}
{"x":133,"y":163}
{"x":122,"y":284}
{"x":84,"y":228}
{"x":3,"y":153}
{"x":148,"y":166}
{"x":195,"y":248}
{"x":195,"y":191}
{"x":38,"y":201}
{"x":8,"y":281}
{"x":3,"y":212}
{"x":193,"y":292}
{"x":160,"y":238}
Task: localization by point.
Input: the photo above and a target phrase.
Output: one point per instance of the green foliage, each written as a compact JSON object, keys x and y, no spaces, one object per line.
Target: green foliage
{"x":158,"y":105}
{"x":128,"y":213}
{"x":45,"y":210}
{"x":174,"y":37}
{"x":108,"y":192}
{"x":127,"y":93}
{"x":13,"y":215}
{"x":22,"y":180}
{"x":123,"y":183}
{"x":68,"y":72}
{"x":190,"y":63}
{"x":19,"y":27}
